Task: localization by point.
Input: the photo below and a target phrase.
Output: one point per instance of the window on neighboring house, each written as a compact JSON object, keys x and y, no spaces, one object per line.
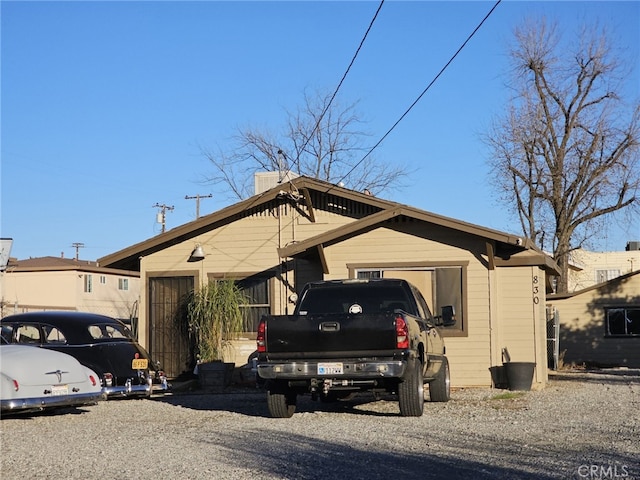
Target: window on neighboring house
{"x":622,"y":322}
{"x":123,"y":284}
{"x":606,"y":275}
{"x":103,"y":279}
{"x":439,"y":285}
{"x":88,"y":283}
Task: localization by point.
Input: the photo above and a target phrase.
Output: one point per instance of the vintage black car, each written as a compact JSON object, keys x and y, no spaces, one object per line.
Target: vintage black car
{"x":99,"y":342}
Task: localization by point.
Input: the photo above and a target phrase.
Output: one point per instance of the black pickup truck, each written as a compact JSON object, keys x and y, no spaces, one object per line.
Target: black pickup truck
{"x":348,"y":336}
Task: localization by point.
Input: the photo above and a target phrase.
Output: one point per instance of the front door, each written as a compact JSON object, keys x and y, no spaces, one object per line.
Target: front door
{"x":169,"y":339}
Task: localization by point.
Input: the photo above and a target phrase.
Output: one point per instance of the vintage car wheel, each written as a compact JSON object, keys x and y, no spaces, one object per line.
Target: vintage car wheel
{"x":281,"y":401}
{"x":440,"y":387}
{"x":411,"y":391}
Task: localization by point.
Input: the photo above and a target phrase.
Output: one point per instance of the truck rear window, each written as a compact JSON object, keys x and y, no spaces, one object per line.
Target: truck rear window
{"x":343,"y":298}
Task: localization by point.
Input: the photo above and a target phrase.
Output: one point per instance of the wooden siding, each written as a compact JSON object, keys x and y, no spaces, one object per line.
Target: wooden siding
{"x":469,"y":356}
{"x":521,"y":317}
{"x":247,"y":246}
{"x":516,"y":327}
{"x":582,"y":325}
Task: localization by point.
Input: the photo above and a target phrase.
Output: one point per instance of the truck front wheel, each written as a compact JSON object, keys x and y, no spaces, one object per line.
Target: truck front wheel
{"x":281,"y":401}
{"x":440,"y":387}
{"x":411,"y":391}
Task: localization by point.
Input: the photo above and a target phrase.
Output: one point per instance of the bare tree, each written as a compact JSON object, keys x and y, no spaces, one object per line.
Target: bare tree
{"x":322,"y":139}
{"x":564,"y":156}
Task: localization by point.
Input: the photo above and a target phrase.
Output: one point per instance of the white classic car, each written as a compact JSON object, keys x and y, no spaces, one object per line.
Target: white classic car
{"x":34,"y":379}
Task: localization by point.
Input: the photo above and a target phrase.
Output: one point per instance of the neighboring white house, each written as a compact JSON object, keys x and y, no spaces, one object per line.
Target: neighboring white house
{"x":592,"y":268}
{"x":55,"y":283}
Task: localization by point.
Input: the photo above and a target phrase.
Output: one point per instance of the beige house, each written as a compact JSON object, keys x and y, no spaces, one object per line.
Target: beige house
{"x":54,"y":283}
{"x":305,"y":229}
{"x":600,"y":325}
{"x":591,"y":268}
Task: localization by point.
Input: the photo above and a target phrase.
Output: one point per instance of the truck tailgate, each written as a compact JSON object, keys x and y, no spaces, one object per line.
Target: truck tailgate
{"x":308,"y":336}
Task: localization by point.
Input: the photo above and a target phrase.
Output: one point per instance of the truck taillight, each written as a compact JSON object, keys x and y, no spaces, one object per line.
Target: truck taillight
{"x":402,"y":333}
{"x":261,"y":338}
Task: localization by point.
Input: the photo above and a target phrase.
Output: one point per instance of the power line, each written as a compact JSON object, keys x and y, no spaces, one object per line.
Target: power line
{"x":422,"y":94}
{"x":326,"y":108}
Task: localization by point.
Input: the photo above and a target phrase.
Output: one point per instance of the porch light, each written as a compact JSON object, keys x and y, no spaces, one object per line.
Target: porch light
{"x":197,"y":254}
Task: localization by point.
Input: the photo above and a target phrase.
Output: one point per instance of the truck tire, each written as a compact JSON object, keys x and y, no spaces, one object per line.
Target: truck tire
{"x":281,"y":402}
{"x":440,"y":387}
{"x":411,"y":391}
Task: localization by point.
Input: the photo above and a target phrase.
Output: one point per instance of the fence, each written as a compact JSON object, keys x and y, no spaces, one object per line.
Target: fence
{"x":553,"y":338}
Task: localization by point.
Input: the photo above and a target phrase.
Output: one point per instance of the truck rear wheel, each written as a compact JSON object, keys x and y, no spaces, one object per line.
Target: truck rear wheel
{"x":281,"y":402}
{"x":411,"y":391}
{"x":440,"y":387}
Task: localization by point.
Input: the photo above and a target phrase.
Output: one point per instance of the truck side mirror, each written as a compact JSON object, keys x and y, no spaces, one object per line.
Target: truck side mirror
{"x":448,"y":316}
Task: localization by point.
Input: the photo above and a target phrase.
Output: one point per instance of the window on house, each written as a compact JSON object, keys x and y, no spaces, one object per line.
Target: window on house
{"x":257,"y":291}
{"x":123,"y":284}
{"x":439,"y":285}
{"x":103,"y":279}
{"x":606,"y":275}
{"x":88,"y":283}
{"x":622,"y":322}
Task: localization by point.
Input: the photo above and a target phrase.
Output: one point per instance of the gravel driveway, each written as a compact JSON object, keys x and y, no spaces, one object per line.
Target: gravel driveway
{"x":583,"y":425}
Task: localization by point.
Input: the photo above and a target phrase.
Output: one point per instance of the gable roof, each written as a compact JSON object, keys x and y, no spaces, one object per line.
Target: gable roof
{"x":299,"y":189}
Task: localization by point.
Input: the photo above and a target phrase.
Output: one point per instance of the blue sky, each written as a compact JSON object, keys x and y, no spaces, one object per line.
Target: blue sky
{"x":105,"y":104}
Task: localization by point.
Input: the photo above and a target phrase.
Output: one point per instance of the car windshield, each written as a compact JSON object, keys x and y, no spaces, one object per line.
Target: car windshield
{"x":108,"y":332}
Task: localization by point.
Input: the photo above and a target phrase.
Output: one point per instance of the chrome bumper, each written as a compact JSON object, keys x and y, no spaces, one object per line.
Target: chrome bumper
{"x":40,"y":403}
{"x":350,"y":370}
{"x":131,"y":390}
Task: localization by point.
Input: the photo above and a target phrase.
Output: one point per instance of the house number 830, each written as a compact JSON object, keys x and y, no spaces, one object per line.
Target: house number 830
{"x":536,"y":290}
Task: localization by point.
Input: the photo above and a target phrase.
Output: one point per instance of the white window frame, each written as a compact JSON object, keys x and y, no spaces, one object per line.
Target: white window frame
{"x":123,"y":284}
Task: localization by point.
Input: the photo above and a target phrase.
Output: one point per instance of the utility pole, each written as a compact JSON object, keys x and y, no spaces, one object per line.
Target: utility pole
{"x":197,"y":199}
{"x":77,"y":246}
{"x":163,"y":214}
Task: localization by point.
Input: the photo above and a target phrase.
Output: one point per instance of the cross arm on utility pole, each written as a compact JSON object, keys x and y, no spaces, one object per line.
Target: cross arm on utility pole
{"x":77,"y":246}
{"x":197,"y":199}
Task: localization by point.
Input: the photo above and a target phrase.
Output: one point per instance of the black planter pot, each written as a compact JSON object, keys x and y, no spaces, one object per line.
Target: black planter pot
{"x":519,"y":375}
{"x":215,"y":376}
{"x":499,"y":376}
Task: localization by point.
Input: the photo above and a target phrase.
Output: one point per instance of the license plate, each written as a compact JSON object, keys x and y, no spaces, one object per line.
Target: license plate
{"x":330,"y":369}
{"x":60,"y":390}
{"x":139,"y":364}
